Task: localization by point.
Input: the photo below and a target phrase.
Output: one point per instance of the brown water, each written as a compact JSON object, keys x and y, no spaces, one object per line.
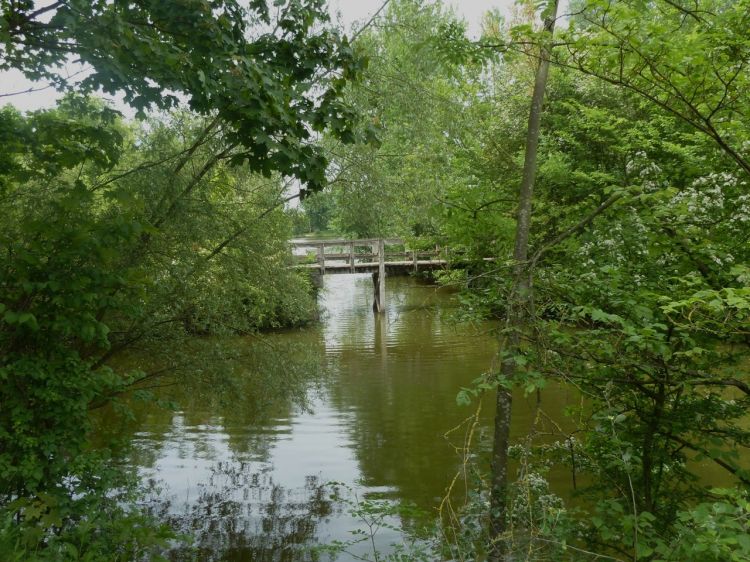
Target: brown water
{"x":250,"y":482}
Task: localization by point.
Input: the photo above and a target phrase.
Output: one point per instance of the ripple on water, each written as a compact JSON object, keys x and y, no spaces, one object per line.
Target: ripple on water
{"x":252,"y":490}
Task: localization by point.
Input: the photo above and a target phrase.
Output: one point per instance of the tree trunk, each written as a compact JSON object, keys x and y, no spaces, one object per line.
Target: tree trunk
{"x":519,"y":312}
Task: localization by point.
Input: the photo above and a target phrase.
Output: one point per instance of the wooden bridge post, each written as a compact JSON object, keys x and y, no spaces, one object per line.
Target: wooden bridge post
{"x":322,"y":258}
{"x":415,"y":259}
{"x":381,"y":273}
{"x":351,"y":257}
{"x":378,"y":278}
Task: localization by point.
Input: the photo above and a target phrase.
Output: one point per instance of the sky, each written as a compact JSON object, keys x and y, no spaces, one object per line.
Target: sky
{"x":353,"y":13}
{"x":360,"y":11}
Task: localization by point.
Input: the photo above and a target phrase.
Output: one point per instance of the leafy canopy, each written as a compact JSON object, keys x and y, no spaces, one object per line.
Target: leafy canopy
{"x":276,"y":81}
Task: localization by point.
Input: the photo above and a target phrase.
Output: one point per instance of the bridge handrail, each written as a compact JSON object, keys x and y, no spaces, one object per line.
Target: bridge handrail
{"x":301,"y":242}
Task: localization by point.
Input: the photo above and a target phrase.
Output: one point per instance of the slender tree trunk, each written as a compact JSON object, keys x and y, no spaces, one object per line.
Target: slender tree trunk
{"x":519,"y":308}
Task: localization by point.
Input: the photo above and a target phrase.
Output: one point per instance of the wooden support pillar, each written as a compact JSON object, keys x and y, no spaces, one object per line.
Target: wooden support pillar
{"x":378,"y":278}
{"x":381,"y":273}
{"x":415,"y":260}
{"x":322,"y":258}
{"x":351,"y":257}
{"x":377,"y":304}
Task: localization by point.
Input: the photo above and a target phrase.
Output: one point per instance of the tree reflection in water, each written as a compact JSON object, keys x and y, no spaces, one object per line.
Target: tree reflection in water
{"x":359,"y":399}
{"x":243,"y":516}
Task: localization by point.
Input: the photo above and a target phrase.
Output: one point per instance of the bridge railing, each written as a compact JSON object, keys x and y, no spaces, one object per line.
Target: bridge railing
{"x":367,"y":254}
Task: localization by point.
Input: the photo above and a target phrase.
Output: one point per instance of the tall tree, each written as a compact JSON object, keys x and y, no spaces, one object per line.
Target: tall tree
{"x":420,"y":101}
{"x":520,"y":300}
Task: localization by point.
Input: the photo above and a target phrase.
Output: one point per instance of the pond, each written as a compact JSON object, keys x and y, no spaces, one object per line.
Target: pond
{"x":254,"y":483}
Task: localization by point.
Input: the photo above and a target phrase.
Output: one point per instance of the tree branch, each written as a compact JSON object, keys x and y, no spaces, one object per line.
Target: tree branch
{"x":735,"y":471}
{"x":573,"y":229}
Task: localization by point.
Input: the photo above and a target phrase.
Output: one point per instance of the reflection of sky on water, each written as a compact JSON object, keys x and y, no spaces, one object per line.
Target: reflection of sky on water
{"x":256,"y":490}
{"x":256,"y":508}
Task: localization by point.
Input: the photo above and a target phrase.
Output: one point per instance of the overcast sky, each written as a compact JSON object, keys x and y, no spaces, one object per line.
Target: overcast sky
{"x":351,"y":12}
{"x":471,"y":10}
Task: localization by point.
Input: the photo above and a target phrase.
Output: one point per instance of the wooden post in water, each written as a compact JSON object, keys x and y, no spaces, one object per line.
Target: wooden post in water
{"x":415,"y":259}
{"x":351,"y":257}
{"x":376,"y":306}
{"x":378,"y":279}
{"x":322,"y":258}
{"x":381,"y":273}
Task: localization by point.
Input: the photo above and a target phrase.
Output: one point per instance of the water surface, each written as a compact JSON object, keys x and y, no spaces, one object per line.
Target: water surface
{"x":253,"y":484}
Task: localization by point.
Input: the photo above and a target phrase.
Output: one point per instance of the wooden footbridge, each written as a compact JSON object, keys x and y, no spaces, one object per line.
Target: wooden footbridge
{"x":379,"y":256}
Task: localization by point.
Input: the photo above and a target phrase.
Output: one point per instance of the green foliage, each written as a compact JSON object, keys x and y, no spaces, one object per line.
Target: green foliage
{"x":687,"y":60}
{"x":89,"y":529}
{"x":419,"y":103}
{"x":710,"y":531}
{"x":116,"y":235}
{"x":87,"y":273}
{"x":225,"y":58}
{"x":639,"y":234}
{"x":318,"y":209}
